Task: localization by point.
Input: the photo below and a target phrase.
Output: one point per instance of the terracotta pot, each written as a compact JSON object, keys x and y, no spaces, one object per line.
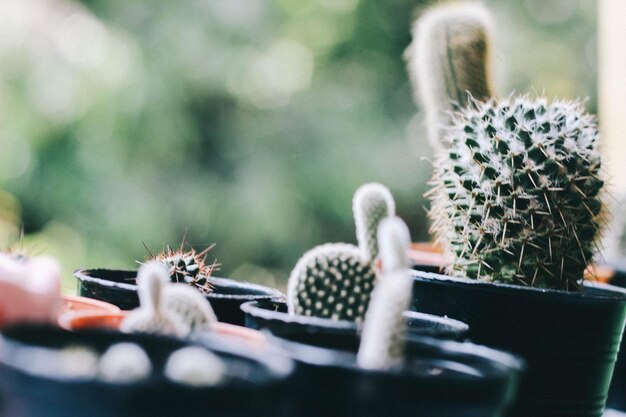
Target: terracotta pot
{"x":82,"y":307}
{"x":426,"y":256}
{"x":75,"y":303}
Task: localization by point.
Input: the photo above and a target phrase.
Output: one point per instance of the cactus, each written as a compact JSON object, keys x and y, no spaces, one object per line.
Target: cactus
{"x":516,"y":197}
{"x":192,"y":307}
{"x":124,"y":363}
{"x":371,"y":203}
{"x":151,"y":317}
{"x":448,"y":61}
{"x":384,"y":330}
{"x":188,"y":267}
{"x":195,"y":366}
{"x":335,"y":280}
{"x":168,"y":308}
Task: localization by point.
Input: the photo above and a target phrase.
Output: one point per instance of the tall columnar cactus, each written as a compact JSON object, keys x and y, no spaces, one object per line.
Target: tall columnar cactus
{"x":516,"y":196}
{"x":384,"y":330}
{"x":335,"y":280}
{"x":449,"y":59}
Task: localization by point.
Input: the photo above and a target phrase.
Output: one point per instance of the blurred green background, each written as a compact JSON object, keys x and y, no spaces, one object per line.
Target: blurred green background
{"x":245,"y":123}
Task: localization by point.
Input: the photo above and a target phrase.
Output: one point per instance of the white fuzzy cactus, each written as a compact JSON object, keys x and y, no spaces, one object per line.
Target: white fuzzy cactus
{"x":190,"y":305}
{"x":167,"y":308}
{"x":384,"y":330}
{"x":151,"y":316}
{"x":335,"y":280}
{"x":449,"y":60}
{"x":371,"y":203}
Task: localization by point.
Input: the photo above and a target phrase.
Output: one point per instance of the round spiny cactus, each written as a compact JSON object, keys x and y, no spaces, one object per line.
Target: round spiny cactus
{"x":188,"y":266}
{"x":516,"y":197}
{"x":384,"y":331}
{"x":335,"y":280}
{"x":331,"y":281}
{"x":448,"y":61}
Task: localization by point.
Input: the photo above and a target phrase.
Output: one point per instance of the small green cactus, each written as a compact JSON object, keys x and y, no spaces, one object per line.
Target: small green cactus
{"x":335,"y":280}
{"x":449,"y":61}
{"x":516,"y":197}
{"x":187,"y":266}
{"x":384,"y":331}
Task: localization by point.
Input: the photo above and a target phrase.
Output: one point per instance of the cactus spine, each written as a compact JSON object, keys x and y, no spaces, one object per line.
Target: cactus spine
{"x":449,"y":60}
{"x":187,"y":267}
{"x":384,"y":330}
{"x":516,"y":197}
{"x":335,"y":280}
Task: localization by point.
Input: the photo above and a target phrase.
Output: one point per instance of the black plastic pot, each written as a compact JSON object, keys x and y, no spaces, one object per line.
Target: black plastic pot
{"x":617,"y":391}
{"x":569,"y":339}
{"x":273,"y":316}
{"x":440,"y":379}
{"x":118,"y":287}
{"x":260,"y":381}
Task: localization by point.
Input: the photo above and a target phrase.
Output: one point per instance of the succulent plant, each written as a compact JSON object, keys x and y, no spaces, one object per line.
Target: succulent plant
{"x":190,"y":305}
{"x":371,"y":203}
{"x":195,"y":366}
{"x":516,"y":196}
{"x":449,"y":61}
{"x":187,"y":266}
{"x":166,"y":307}
{"x":124,"y":363}
{"x":151,"y":316}
{"x":335,"y":280}
{"x":384,"y":329}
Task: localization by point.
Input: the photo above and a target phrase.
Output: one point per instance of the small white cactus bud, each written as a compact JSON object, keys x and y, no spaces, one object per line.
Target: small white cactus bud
{"x":124,"y":363}
{"x":195,"y":366}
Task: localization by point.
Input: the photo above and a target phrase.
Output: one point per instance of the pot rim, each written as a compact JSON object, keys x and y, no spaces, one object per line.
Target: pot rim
{"x":591,"y":290}
{"x":277,"y":368}
{"x":83,"y":274}
{"x":96,"y":304}
{"x":254,"y":308}
{"x":496,"y":362}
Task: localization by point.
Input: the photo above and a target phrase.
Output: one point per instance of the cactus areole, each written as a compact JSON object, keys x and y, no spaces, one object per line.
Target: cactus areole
{"x":516,"y":196}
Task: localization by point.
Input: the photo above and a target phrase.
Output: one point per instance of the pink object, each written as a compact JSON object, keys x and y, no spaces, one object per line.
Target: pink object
{"x":30,"y":289}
